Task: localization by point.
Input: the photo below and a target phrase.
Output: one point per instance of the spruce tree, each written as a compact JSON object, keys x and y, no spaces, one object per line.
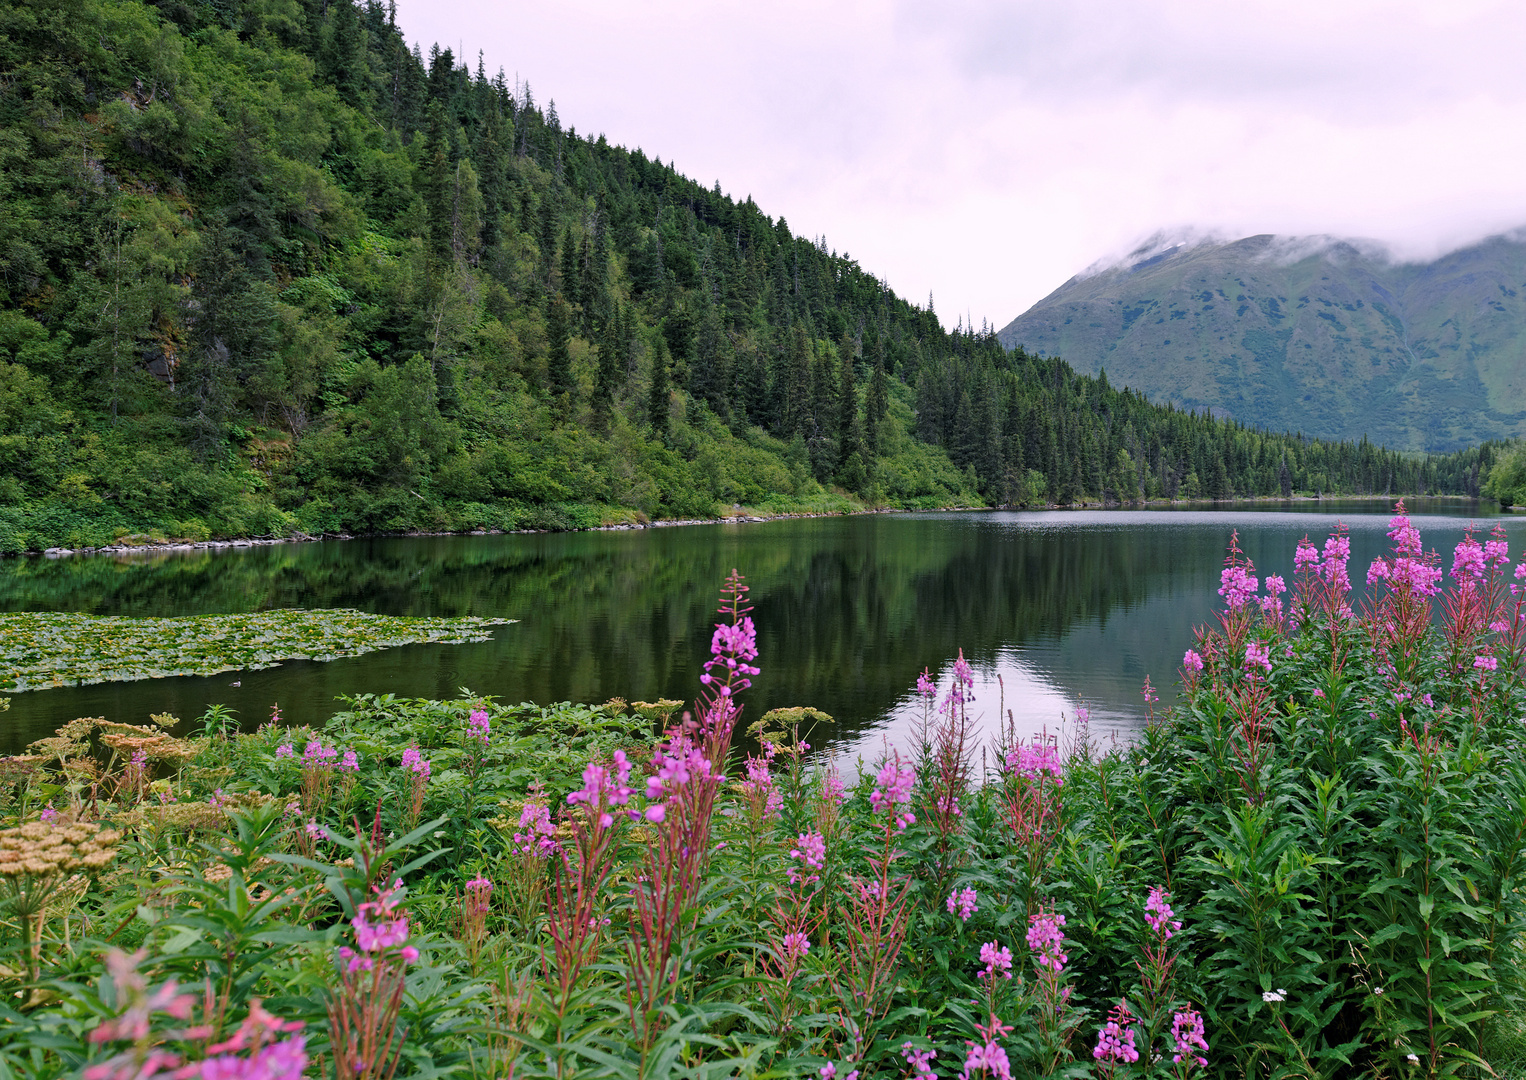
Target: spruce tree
{"x":657,"y":400}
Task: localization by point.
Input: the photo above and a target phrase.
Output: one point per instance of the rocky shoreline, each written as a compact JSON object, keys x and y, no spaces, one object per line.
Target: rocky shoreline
{"x":145,"y":545}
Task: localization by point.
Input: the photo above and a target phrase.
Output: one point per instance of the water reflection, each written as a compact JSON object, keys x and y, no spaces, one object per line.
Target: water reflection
{"x":1064,"y":606}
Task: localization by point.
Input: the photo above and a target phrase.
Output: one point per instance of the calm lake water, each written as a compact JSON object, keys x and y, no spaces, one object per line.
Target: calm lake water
{"x":1052,"y":608}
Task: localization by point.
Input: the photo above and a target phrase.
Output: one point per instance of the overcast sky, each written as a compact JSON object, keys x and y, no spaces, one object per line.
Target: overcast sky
{"x":986,"y":151}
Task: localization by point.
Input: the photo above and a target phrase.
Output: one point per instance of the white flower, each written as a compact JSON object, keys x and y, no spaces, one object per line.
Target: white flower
{"x":1414,"y":1059}
{"x":1377,"y":990}
{"x":1270,"y":996}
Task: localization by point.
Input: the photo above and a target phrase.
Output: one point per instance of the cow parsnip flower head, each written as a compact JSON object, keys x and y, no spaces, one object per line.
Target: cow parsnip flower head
{"x":41,"y":850}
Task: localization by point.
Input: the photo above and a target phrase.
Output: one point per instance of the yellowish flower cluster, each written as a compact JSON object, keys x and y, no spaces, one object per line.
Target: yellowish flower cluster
{"x":41,"y":849}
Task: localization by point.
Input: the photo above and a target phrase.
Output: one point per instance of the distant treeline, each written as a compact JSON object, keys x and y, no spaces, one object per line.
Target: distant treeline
{"x":264,"y":268}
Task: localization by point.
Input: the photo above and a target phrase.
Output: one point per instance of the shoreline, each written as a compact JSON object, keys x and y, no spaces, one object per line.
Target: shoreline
{"x":741,"y":517}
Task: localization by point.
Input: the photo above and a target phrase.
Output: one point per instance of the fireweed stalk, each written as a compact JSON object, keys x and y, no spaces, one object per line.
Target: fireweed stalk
{"x":948,"y":754}
{"x":1050,"y":991}
{"x":1030,"y":805}
{"x":686,"y":775}
{"x":532,"y":846}
{"x":476,"y":906}
{"x":875,"y":914}
{"x":416,"y":770}
{"x":364,"y":1009}
{"x":574,"y":903}
{"x":794,"y":923}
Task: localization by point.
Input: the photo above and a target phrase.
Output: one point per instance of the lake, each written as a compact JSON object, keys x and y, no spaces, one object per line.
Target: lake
{"x":1053,"y":609}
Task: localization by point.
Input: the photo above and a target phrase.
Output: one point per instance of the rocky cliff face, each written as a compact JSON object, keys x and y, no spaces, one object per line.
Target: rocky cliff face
{"x":1330,"y":337}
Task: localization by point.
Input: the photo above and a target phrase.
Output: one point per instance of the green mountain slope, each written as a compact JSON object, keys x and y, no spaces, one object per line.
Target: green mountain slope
{"x":1327,"y":337}
{"x":264,"y":269}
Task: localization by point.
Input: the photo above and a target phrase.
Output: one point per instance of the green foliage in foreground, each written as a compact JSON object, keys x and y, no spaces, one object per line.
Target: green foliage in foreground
{"x":1336,"y":815}
{"x":43,"y":649}
{"x":264,"y":270}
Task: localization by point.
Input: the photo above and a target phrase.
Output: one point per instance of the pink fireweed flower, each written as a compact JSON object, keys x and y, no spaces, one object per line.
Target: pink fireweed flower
{"x":1333,"y":566}
{"x":1497,"y":549}
{"x":380,"y":927}
{"x":919,"y":1061}
{"x":317,"y":831}
{"x":1275,"y":585}
{"x":1259,"y":655}
{"x":1083,"y":714}
{"x":1486,"y":663}
{"x":961,"y":902}
{"x":415,"y":762}
{"x":1148,"y":692}
{"x":1046,"y":938}
{"x":811,"y":849}
{"x":1187,"y":1033}
{"x":731,"y":649}
{"x":478,"y":729}
{"x":48,"y":813}
{"x":1192,"y":661}
{"x":1158,"y":914}
{"x":535,"y":834}
{"x":1115,"y":1042}
{"x":479,"y":895}
{"x":285,"y":750}
{"x":892,"y":788}
{"x":1035,"y":760}
{"x":963,"y":673}
{"x":988,"y":1058}
{"x":1237,"y":585}
{"x":795,"y":946}
{"x":996,"y":960}
{"x":350,"y":762}
{"x":1271,"y":608}
{"x":1306,"y":558}
{"x":1468,"y":560}
{"x":602,"y":790}
{"x":1405,"y":536}
{"x":925,"y":685}
{"x":318,"y":754}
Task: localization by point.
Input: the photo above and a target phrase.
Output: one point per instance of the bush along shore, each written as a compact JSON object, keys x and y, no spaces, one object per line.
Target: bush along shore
{"x":1308,"y":868}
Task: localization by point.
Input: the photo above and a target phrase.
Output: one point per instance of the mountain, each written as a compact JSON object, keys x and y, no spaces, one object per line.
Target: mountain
{"x":1334,"y":338}
{"x":266,"y":269}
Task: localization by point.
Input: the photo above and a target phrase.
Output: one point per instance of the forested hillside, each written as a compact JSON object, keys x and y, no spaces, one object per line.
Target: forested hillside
{"x":264,"y":269}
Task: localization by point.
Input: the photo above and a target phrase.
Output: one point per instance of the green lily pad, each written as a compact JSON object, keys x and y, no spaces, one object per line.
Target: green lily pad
{"x":39,"y":650}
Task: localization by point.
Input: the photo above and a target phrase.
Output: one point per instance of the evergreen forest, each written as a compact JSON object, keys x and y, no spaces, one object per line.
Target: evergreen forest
{"x":266,"y":270}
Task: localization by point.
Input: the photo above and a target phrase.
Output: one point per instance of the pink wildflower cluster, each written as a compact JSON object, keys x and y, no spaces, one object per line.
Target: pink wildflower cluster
{"x":415,"y":762}
{"x":1115,"y":1042}
{"x":1330,"y":568}
{"x":925,"y":685}
{"x":961,"y":902}
{"x":1468,"y":560}
{"x":733,"y":646}
{"x":536,"y":835}
{"x":987,"y":1059}
{"x":919,"y":1061}
{"x":1187,"y":1033}
{"x":285,"y":751}
{"x":479,"y":895}
{"x":674,"y":765}
{"x":893,"y":788}
{"x":811,"y":850}
{"x":1158,"y":914}
{"x":762,"y":793}
{"x":265,"y":1058}
{"x":603,"y":790}
{"x":1046,"y":937}
{"x":1033,"y":760}
{"x":1258,"y":654}
{"x":829,"y":1072}
{"x":998,"y":960}
{"x":379,"y":929}
{"x":1237,"y":585}
{"x":478,"y":729}
{"x":1408,"y":567}
{"x":1192,"y":662}
{"x":1486,"y":663}
{"x":795,"y":946}
{"x":318,"y":754}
